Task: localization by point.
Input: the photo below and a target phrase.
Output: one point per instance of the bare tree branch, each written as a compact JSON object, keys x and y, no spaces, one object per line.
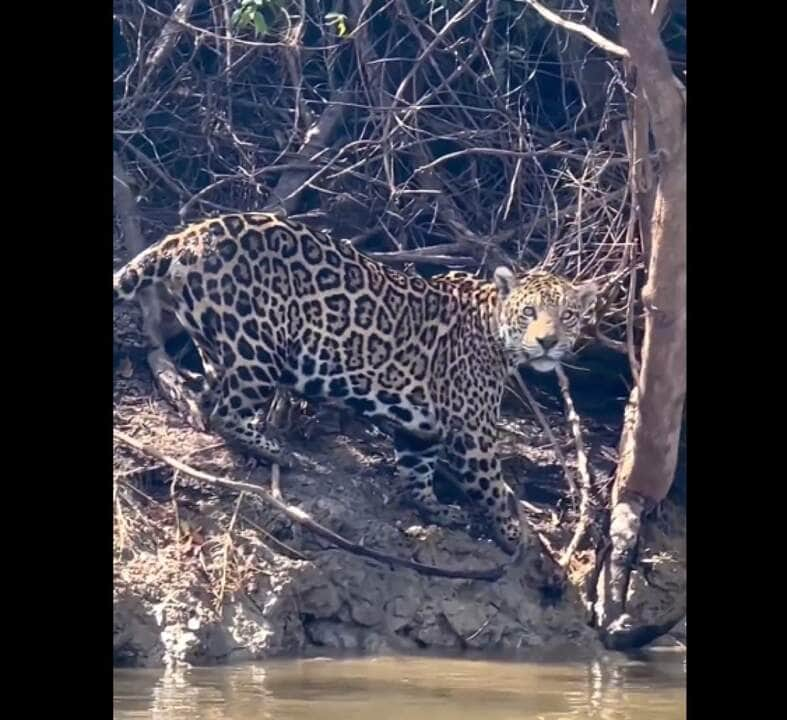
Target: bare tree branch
{"x":575,"y":27}
{"x":166,"y":41}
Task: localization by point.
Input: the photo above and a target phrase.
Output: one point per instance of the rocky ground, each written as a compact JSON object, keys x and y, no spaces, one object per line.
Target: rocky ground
{"x":204,"y":575}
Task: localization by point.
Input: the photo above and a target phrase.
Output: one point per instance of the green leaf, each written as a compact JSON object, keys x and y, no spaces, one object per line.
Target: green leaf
{"x":339,"y":20}
{"x":260,"y":24}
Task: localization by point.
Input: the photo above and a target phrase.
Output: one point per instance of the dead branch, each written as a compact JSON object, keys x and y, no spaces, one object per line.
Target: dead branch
{"x":575,"y":27}
{"x":166,"y":41}
{"x":319,"y":136}
{"x":301,"y":518}
{"x":586,"y":514}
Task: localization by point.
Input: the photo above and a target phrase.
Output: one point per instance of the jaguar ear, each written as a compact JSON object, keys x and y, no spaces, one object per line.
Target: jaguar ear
{"x":506,"y":281}
{"x":587,"y":293}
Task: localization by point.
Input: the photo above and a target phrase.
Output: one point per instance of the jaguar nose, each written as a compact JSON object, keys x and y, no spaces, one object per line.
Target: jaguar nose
{"x":547,"y":342}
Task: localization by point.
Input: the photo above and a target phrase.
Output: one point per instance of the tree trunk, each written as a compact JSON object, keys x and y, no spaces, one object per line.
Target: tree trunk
{"x":649,"y":442}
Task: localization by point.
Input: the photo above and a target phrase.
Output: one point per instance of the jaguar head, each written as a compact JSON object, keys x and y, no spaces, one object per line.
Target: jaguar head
{"x":540,"y":316}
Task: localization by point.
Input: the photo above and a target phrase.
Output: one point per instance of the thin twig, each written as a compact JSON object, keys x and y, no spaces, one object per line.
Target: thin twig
{"x":276,"y":482}
{"x":226,"y":552}
{"x":175,"y":512}
{"x":121,"y":521}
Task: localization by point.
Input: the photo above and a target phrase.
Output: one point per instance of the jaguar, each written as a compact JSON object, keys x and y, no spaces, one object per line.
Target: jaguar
{"x":270,"y":303}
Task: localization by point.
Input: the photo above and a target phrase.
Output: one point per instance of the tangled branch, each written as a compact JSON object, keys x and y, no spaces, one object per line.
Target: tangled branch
{"x":463,"y":134}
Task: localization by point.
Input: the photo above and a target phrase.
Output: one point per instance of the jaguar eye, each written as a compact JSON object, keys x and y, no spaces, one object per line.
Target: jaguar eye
{"x":567,"y":315}
{"x":529,"y":311}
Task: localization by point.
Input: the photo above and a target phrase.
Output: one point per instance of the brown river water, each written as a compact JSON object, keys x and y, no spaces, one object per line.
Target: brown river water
{"x":613,"y":687}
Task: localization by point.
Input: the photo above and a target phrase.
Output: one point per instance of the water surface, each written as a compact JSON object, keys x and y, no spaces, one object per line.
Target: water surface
{"x":406,"y":688}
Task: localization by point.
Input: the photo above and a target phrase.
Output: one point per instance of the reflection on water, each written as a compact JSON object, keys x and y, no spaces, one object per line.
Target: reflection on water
{"x":405,"y":688}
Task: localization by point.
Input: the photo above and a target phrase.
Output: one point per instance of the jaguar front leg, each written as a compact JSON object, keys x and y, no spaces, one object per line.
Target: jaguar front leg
{"x":473,"y":459}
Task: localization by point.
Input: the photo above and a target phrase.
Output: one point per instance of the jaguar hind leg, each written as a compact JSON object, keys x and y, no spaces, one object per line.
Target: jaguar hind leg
{"x":240,"y":415}
{"x":416,"y":459}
